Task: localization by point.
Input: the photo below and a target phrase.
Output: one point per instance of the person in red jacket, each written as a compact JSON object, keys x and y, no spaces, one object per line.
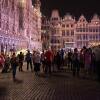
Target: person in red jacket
{"x":48,"y":57}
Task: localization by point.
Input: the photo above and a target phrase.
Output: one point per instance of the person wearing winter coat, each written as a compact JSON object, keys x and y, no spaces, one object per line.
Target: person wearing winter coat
{"x":14,"y":64}
{"x":37,"y":62}
{"x":29,"y":60}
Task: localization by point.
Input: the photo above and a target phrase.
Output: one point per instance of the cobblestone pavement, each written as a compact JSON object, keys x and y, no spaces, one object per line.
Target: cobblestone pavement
{"x":58,"y":86}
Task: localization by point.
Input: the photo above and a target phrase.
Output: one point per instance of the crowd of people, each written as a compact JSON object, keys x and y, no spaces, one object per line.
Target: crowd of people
{"x":53,"y":60}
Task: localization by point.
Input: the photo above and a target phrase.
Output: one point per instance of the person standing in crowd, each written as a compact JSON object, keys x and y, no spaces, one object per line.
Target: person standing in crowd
{"x":58,"y":60}
{"x":81,"y":58}
{"x":29,"y":60}
{"x":76,"y":67}
{"x":70,"y":59}
{"x":20,"y":60}
{"x":97,"y":61}
{"x":43,"y":60}
{"x":54,"y":60}
{"x":6,"y":64}
{"x":87,"y":62}
{"x":93,"y":62}
{"x":49,"y":58}
{"x":62,"y":56}
{"x":37,"y":62}
{"x":33,"y":54}
{"x":14,"y":64}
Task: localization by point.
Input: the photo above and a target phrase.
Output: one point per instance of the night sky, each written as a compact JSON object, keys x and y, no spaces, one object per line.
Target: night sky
{"x":74,"y":7}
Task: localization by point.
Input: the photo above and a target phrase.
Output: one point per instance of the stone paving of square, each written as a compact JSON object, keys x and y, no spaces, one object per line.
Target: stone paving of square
{"x":58,"y":86}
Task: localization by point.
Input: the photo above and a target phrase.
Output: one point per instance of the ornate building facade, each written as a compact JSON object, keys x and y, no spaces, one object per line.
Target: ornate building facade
{"x":20,"y":25}
{"x":67,"y":32}
{"x":45,"y":33}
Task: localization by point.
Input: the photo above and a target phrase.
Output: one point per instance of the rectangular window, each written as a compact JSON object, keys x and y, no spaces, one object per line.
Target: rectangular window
{"x":78,"y":37}
{"x":96,"y":30}
{"x":96,"y":36}
{"x":90,"y":30}
{"x":86,"y":29}
{"x":72,"y":33}
{"x":67,"y":33}
{"x":63,"y":25}
{"x":67,"y":25}
{"x":0,"y":19}
{"x":63,"y":33}
{"x":71,"y":25}
{"x":84,"y":37}
{"x":77,"y":30}
{"x":80,"y":30}
{"x":90,"y":37}
{"x":12,"y":5}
